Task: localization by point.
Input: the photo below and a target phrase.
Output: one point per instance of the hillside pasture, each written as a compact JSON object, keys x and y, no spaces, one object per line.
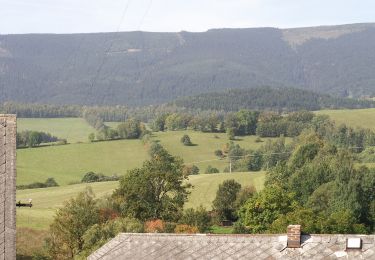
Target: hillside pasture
{"x":68,"y":163}
{"x":364,"y":118}
{"x":72,"y":129}
{"x":201,"y":153}
{"x":47,"y":201}
{"x":206,"y":185}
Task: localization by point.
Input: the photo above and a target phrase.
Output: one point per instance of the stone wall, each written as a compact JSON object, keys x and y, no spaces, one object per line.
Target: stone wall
{"x":7,"y":187}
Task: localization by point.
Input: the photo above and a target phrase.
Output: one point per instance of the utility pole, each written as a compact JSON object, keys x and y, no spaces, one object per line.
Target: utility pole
{"x":230,"y":165}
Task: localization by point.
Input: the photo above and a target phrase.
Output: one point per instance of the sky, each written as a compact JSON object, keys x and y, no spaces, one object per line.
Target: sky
{"x":83,"y":16}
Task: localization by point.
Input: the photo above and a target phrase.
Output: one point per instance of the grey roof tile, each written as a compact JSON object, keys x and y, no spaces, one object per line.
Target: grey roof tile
{"x":269,"y":247}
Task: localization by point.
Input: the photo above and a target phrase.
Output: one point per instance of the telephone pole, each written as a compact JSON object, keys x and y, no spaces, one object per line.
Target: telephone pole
{"x":230,"y":165}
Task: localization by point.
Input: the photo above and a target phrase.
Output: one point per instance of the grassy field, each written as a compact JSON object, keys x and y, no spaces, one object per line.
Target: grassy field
{"x":73,"y":129}
{"x":364,"y":118}
{"x":46,"y":201}
{"x":68,"y":163}
{"x":206,"y":185}
{"x":202,"y":152}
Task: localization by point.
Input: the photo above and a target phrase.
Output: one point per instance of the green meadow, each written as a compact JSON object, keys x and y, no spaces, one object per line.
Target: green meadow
{"x":364,"y":118}
{"x":68,"y":163}
{"x":72,"y":129}
{"x":206,"y":185}
{"x":47,"y":201}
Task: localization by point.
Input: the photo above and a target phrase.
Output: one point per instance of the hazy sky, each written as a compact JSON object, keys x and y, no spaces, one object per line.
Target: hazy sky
{"x":74,"y":16}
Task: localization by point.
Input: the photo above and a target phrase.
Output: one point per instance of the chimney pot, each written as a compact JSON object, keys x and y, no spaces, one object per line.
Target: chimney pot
{"x":294,"y":236}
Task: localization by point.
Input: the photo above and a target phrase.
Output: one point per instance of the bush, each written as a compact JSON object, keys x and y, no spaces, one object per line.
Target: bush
{"x":198,"y":218}
{"x":98,"y":177}
{"x":90,"y":177}
{"x":211,"y":169}
{"x":169,"y":227}
{"x":186,"y":140}
{"x":190,"y":170}
{"x":91,"y":137}
{"x":219,"y":153}
{"x":186,"y":229}
{"x":155,"y":226}
{"x":50,"y":182}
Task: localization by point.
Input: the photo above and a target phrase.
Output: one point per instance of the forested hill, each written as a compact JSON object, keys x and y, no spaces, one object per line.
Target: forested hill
{"x":139,"y":68}
{"x":287,"y":99}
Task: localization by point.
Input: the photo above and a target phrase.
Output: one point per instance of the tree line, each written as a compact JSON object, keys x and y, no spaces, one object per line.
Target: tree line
{"x":30,"y":139}
{"x":266,"y":98}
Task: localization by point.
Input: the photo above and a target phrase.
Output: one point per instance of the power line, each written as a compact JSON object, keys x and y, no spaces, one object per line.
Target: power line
{"x":107,"y":50}
{"x":115,"y":72}
{"x":100,"y":67}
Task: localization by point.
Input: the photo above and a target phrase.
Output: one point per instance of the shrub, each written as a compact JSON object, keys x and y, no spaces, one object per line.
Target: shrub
{"x":186,"y":229}
{"x":198,"y":218}
{"x":190,"y":170}
{"x":98,"y":177}
{"x":186,"y":140}
{"x":90,"y":177}
{"x":106,"y":214}
{"x":169,"y":227}
{"x":219,"y":153}
{"x":50,"y":182}
{"x":91,"y":137}
{"x":155,"y":226}
{"x":211,"y":169}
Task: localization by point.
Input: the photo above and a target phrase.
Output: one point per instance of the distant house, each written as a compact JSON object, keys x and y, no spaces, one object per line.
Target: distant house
{"x":292,"y":245}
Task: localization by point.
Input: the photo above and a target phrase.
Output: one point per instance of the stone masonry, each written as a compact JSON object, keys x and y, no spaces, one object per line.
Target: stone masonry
{"x":7,"y":187}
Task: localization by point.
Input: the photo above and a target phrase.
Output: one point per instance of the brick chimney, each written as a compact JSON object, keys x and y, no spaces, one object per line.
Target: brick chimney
{"x":294,"y":236}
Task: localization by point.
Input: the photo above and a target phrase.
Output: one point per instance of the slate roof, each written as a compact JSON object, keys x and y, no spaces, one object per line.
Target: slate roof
{"x":207,"y":246}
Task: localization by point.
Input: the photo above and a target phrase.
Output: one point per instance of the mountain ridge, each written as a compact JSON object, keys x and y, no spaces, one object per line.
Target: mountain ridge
{"x":141,"y":68}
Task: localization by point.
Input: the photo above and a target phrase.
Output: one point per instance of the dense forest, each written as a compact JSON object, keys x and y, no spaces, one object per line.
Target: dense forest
{"x":205,"y":105}
{"x":141,"y":68}
{"x":266,"y":98}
